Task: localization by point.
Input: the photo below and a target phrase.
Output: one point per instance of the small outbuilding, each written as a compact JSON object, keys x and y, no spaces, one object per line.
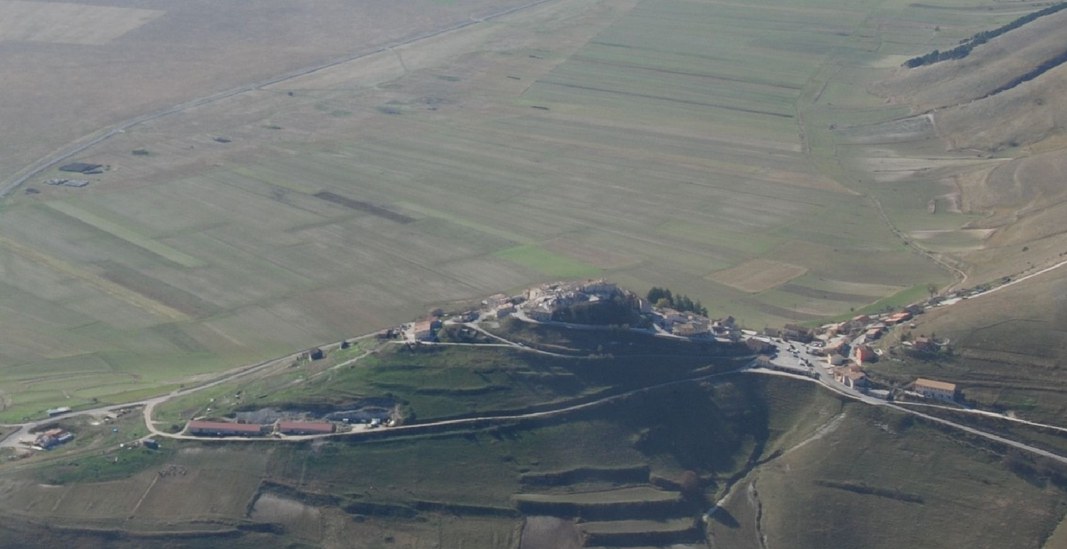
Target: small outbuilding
{"x":82,"y":167}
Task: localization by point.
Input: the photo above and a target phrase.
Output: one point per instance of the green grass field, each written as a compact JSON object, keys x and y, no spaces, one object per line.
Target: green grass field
{"x":431,"y":383}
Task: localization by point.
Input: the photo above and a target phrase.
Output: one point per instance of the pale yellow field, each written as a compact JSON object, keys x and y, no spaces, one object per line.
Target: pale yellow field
{"x":758,"y":275}
{"x":68,"y":23}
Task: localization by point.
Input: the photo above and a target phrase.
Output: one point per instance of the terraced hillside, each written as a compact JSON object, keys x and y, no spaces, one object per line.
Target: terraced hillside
{"x":695,"y":466}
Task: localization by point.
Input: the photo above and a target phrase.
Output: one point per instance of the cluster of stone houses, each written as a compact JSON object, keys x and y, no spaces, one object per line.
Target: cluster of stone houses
{"x":497,"y":306}
{"x":542,"y":303}
{"x":845,"y":345}
{"x":847,"y":348}
{"x":688,"y":324}
{"x":423,"y":330}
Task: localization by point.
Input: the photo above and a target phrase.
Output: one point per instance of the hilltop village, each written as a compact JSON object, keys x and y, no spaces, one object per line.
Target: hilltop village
{"x":590,"y":303}
{"x":834,"y":354}
{"x":840,"y":349}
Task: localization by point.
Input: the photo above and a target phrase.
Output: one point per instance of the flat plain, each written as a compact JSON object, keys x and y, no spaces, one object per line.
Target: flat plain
{"x":655,"y":143}
{"x":728,"y":151}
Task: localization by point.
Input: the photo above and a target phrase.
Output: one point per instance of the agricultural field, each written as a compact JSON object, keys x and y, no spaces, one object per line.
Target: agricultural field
{"x":572,"y":139}
{"x":78,"y":67}
{"x":618,"y":468}
{"x":332,"y":170}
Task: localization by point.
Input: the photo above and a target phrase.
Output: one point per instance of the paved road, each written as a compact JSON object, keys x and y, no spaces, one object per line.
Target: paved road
{"x":827,"y":381}
{"x":12,"y":439}
{"x":822,"y":379}
{"x":464,"y":422}
{"x":986,"y":413}
{"x":1018,"y":280}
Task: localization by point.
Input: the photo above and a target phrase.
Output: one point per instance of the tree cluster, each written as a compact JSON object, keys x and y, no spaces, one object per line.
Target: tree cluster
{"x":968,"y":44}
{"x":1037,"y":71}
{"x":663,"y":298}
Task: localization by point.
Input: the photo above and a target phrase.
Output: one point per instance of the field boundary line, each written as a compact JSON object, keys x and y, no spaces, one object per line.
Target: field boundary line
{"x":108,"y":287}
{"x":99,"y":136}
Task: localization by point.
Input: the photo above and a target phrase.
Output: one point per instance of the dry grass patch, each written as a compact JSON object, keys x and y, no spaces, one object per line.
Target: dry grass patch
{"x":66,"y":23}
{"x":758,"y":275}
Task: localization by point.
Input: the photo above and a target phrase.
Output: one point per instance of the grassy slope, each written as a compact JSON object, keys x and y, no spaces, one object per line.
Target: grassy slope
{"x":714,"y":430}
{"x":454,"y":381}
{"x":1009,"y":349}
{"x":879,"y":481}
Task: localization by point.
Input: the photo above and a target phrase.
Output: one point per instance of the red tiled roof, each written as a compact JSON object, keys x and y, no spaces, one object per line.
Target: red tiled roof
{"x":224,"y":426}
{"x":305,"y":427}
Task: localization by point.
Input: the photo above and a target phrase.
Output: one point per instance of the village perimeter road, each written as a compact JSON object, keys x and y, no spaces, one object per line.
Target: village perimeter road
{"x":12,"y":440}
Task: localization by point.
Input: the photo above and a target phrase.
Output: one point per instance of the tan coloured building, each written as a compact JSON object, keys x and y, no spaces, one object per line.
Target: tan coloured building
{"x":940,"y":390}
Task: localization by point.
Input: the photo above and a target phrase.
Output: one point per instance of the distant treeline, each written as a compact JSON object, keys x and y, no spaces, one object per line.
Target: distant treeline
{"x":966,"y":45}
{"x":1038,"y":71}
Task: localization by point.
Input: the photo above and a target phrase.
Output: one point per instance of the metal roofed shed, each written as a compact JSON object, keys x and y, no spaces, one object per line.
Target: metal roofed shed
{"x":305,"y":427}
{"x":224,"y":428}
{"x":82,"y":167}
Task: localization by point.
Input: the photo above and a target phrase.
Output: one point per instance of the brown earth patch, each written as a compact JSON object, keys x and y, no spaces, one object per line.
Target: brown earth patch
{"x":824,"y":294}
{"x":68,"y":23}
{"x":365,"y":207}
{"x":758,"y":275}
{"x":157,"y":290}
{"x":549,"y":533}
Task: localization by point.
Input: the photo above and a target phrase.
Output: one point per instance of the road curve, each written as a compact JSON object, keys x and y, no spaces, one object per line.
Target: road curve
{"x":878,"y":402}
{"x":150,"y":404}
